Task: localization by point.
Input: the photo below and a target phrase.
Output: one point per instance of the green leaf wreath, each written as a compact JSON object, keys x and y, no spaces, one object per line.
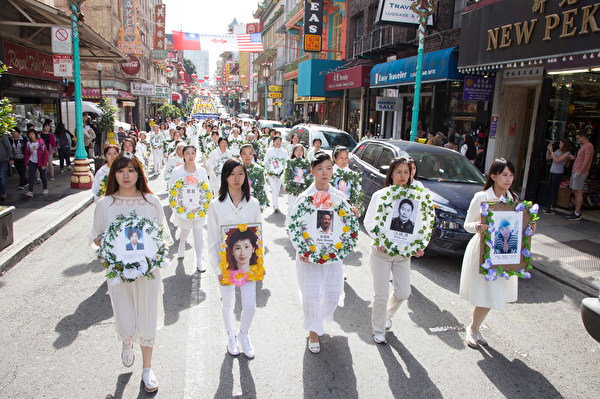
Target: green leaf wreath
{"x":356,"y":192}
{"x":385,"y":210}
{"x":270,"y":171}
{"x":292,"y":187}
{"x":256,"y":174}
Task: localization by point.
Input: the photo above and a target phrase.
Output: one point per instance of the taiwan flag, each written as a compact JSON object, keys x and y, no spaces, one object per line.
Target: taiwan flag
{"x":186,"y":41}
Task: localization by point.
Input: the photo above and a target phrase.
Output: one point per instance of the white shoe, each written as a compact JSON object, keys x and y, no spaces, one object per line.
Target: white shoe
{"x":29,"y":194}
{"x":481,"y":339}
{"x":201,"y":268}
{"x":388,"y":324}
{"x":127,"y":355}
{"x":44,"y":192}
{"x":247,"y":345}
{"x":150,"y":382}
{"x":471,"y":338}
{"x":181,"y":251}
{"x":232,"y":344}
{"x":379,"y":338}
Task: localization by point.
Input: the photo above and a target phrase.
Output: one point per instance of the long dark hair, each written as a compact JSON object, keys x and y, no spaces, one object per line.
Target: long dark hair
{"x":227,"y":170}
{"x":130,"y":140}
{"x":238,"y":236}
{"x":60,"y":128}
{"x":293,"y":156}
{"x":389,"y":180}
{"x":497,"y":168}
{"x":122,"y":161}
{"x":567,"y":145}
{"x":471,"y":149}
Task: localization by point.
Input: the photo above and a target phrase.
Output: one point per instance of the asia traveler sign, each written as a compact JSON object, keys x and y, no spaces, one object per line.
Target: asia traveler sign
{"x":397,"y":12}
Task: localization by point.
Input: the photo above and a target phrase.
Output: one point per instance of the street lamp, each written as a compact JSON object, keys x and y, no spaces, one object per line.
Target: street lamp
{"x":266,"y":74}
{"x":424,"y":10}
{"x":99,"y":69}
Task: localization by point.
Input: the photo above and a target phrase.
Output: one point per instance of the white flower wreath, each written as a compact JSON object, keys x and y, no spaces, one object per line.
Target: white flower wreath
{"x":270,"y":169}
{"x":424,"y":223}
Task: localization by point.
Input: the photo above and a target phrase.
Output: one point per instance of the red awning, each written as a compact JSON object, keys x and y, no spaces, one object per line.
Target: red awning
{"x":175,"y":96}
{"x":125,"y":95}
{"x":90,"y":94}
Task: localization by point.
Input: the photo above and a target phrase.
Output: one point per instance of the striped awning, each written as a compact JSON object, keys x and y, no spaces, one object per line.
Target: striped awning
{"x":94,"y":94}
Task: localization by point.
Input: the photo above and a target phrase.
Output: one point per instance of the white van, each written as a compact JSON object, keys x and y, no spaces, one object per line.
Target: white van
{"x":68,"y":114}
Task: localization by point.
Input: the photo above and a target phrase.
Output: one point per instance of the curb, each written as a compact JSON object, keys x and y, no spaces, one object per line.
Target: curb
{"x":589,"y":287}
{"x":22,"y":249}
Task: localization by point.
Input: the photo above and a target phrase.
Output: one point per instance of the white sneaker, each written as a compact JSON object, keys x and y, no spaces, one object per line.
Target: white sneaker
{"x":45,"y":192}
{"x":247,"y":345}
{"x":379,"y":338}
{"x":232,"y":344}
{"x":388,"y":324}
{"x":29,"y":194}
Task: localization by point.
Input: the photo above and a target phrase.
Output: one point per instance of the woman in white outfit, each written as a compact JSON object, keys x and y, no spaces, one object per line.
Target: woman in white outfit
{"x":382,"y":264}
{"x":189,"y":168}
{"x":215,"y":162}
{"x":483,"y":294}
{"x":174,"y":161}
{"x":110,"y":153}
{"x":156,"y":141}
{"x":233,"y":206}
{"x":137,"y":306}
{"x":320,"y":284}
{"x":276,"y":153}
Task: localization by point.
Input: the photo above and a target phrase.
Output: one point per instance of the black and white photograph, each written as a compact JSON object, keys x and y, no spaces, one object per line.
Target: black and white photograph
{"x":403,"y":218}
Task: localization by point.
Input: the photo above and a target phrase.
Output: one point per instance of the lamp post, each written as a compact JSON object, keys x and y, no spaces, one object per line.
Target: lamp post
{"x":266,"y":74}
{"x":424,"y":9}
{"x":99,"y":69}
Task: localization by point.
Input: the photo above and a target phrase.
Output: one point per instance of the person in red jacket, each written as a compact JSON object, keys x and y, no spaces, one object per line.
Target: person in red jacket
{"x":36,"y":158}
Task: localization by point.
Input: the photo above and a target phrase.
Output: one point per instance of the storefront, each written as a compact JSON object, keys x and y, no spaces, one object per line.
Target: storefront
{"x":313,"y":103}
{"x":440,"y":103}
{"x":547,"y":65}
{"x":347,"y":114}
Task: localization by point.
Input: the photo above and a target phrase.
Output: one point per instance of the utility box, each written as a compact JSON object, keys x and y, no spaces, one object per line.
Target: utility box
{"x":6,"y":226}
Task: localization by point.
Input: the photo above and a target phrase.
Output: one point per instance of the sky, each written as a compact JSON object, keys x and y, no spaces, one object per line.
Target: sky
{"x":208,"y":17}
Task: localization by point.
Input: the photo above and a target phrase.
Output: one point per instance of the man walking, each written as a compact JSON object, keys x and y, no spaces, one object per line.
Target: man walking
{"x":581,"y":169}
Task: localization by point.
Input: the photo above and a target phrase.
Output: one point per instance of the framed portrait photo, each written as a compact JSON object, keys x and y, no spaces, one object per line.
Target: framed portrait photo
{"x":241,"y":254}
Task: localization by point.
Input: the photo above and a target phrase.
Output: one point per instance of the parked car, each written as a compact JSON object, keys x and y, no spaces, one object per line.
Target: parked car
{"x":262,"y":123}
{"x":330,"y":136}
{"x":451,"y":179}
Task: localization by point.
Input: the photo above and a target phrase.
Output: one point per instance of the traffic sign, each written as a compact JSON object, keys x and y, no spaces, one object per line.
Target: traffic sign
{"x":62,"y":40}
{"x":63,"y":65}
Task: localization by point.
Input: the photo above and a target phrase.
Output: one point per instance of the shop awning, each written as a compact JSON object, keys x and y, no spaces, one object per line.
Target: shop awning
{"x":22,"y":21}
{"x":438,"y":66}
{"x":91,"y":93}
{"x":125,"y":95}
{"x":311,"y":77}
{"x":175,"y":96}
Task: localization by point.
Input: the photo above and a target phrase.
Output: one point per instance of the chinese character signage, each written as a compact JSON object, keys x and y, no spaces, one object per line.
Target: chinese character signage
{"x":159,"y":27}
{"x":313,"y":25}
{"x":128,"y":40}
{"x":478,"y":89}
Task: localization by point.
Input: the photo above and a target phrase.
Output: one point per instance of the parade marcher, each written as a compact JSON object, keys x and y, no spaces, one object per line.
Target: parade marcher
{"x":156,"y":141}
{"x":320,"y":284}
{"x":382,"y":264}
{"x":295,"y":139}
{"x":557,"y":171}
{"x":274,"y":166}
{"x":235,"y":141}
{"x":99,"y":186}
{"x":36,"y":158}
{"x":50,"y":141}
{"x":297,"y":177}
{"x":18,"y":144}
{"x":215,"y":162}
{"x":233,"y":206}
{"x":256,"y":176}
{"x":314,"y":149}
{"x":189,"y":168}
{"x":483,"y":294}
{"x":413,"y":172}
{"x":138,"y":305}
{"x":174,"y":161}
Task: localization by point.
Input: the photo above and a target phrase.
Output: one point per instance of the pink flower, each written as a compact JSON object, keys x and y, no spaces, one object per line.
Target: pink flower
{"x":322,"y":199}
{"x":238,"y":277}
{"x":191,"y":179}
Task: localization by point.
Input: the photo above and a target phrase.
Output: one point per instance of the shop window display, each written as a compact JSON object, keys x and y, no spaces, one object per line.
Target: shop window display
{"x":34,"y":112}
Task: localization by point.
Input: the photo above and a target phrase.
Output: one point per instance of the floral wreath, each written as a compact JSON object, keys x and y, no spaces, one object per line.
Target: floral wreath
{"x":210,"y":146}
{"x":237,"y":141}
{"x":256,"y":174}
{"x":219,"y":166}
{"x":385,"y":211}
{"x":154,"y":144}
{"x":120,"y":272}
{"x":102,"y":189}
{"x":355,"y":179}
{"x":199,"y":209}
{"x":292,"y":187}
{"x":305,"y":244}
{"x":270,"y":171}
{"x":165,"y":145}
{"x":169,"y":172}
{"x":487,"y":268}
{"x":239,"y":277}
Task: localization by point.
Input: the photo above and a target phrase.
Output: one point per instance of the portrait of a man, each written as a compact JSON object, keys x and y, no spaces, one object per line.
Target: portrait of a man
{"x":324,"y":222}
{"x":403,"y":222}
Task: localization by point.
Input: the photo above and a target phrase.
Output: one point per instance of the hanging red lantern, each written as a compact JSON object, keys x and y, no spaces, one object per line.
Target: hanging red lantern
{"x":206,"y":77}
{"x":255,"y":75}
{"x":242,"y":76}
{"x":168,"y":70}
{"x":218,"y":77}
{"x":193,"y":76}
{"x":181,"y":73}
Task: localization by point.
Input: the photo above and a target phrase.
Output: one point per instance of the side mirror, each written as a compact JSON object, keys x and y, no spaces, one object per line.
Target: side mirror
{"x":384,"y":169}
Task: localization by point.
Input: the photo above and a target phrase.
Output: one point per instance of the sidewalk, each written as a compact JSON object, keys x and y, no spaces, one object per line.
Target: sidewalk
{"x":567,"y":251}
{"x":37,"y":218}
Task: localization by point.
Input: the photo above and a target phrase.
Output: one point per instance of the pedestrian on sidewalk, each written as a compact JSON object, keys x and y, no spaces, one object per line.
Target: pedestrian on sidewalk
{"x":99,"y":185}
{"x":234,"y":206}
{"x":483,"y":294}
{"x":581,"y":169}
{"x":6,"y":161}
{"x":36,"y":159}
{"x":321,"y":285}
{"x":64,"y":147}
{"x":185,"y":225}
{"x":18,"y":144}
{"x":382,"y":264}
{"x":48,"y":138}
{"x":137,"y":306}
{"x":557,"y":170}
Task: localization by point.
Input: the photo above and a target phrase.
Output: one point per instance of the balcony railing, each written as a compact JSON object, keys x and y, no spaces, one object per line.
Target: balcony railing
{"x":380,"y":38}
{"x":293,"y":11}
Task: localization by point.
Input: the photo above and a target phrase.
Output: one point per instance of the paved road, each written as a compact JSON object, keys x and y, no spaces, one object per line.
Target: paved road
{"x":58,"y":334}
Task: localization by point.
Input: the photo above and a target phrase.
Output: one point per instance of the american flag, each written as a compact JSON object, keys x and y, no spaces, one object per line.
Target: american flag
{"x":250,"y":42}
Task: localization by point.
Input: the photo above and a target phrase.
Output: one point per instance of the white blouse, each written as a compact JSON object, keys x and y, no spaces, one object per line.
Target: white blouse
{"x":103,"y":171}
{"x":215,"y":156}
{"x":180,"y":172}
{"x":223,"y":214}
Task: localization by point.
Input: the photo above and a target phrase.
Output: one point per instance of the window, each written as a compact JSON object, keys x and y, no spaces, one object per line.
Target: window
{"x":336,"y":41}
{"x":370,"y":154}
{"x":459,"y":9}
{"x":386,"y":158}
{"x":358,"y":26}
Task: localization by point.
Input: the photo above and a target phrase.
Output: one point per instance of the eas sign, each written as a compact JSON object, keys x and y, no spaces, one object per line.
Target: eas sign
{"x":313,"y":25}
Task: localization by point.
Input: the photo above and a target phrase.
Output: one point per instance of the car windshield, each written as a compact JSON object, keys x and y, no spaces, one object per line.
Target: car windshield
{"x":273,"y":125}
{"x":447,"y":167}
{"x":331,"y":139}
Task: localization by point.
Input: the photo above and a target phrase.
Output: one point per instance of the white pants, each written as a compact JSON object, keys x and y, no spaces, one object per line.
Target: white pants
{"x":157,"y":159}
{"x":198,"y":242}
{"x":248,"y":293}
{"x":291,"y":202}
{"x":275,"y":183}
{"x":320,"y":288}
{"x":381,"y":265}
{"x":215,"y":184}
